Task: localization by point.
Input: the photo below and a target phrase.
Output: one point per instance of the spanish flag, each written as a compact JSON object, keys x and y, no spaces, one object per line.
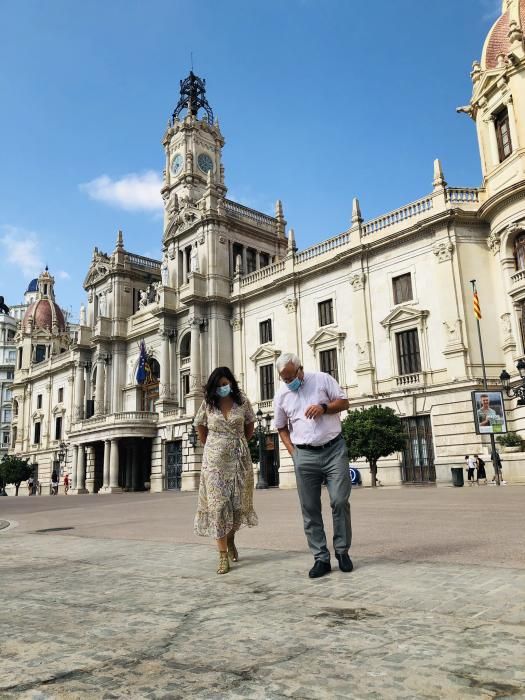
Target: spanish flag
{"x":477,"y":308}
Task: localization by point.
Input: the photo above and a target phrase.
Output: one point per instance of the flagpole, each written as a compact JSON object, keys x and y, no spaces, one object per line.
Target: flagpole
{"x":493,"y":452}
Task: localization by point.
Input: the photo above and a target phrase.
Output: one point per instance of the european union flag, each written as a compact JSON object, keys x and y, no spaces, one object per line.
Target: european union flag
{"x":141,"y":369}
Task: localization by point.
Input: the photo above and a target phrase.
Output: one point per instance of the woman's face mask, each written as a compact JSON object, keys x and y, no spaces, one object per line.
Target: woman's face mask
{"x":224,"y":390}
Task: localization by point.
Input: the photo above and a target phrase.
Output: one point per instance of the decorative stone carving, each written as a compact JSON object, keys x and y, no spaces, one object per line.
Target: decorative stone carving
{"x":236,"y":323}
{"x":363,"y":353}
{"x":102,"y":304}
{"x":194,"y":258}
{"x":171,"y":250}
{"x":494,"y":242}
{"x":443,"y":250}
{"x":290,"y":304}
{"x":357,"y":280}
{"x":164,"y":271}
{"x":82,"y":315}
{"x":506,"y":325}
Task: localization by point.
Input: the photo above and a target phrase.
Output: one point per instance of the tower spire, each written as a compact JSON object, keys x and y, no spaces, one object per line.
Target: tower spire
{"x":193,"y":97}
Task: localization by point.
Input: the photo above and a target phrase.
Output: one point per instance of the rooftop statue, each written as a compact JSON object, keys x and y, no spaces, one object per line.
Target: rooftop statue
{"x":4,"y":309}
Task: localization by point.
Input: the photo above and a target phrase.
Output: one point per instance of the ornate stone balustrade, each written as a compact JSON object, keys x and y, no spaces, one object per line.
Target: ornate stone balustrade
{"x":185,"y":361}
{"x":461,"y":194}
{"x":322,"y":248}
{"x":518,"y":277}
{"x":146,"y":418}
{"x":413,"y":210}
{"x":263,"y":272}
{"x":410,"y":379}
{"x":239,"y":211}
{"x":142,"y":261}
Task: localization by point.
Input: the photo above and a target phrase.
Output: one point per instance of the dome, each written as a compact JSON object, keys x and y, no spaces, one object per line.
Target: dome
{"x":44,"y":313}
{"x":32,"y":286}
{"x":498,"y":41}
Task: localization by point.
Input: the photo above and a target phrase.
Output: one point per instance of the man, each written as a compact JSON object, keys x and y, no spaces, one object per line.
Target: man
{"x":485,"y":413}
{"x":306,"y":409}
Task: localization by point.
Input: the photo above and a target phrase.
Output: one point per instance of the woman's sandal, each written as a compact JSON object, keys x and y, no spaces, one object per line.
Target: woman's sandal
{"x":232,"y":549}
{"x":224,"y":564}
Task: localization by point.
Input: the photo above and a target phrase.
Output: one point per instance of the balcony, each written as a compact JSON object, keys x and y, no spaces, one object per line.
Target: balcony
{"x":410,"y":381}
{"x":131,"y":420}
{"x":518,"y":283}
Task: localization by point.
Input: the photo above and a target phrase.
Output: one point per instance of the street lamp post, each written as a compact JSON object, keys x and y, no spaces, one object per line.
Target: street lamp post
{"x":262,"y":431}
{"x":513,"y":392}
{"x":192,"y":437}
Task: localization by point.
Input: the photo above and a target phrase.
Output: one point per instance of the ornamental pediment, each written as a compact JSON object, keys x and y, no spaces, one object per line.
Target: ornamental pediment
{"x":404,"y":315}
{"x":326,"y":336}
{"x":98,"y":271}
{"x":265,"y":354}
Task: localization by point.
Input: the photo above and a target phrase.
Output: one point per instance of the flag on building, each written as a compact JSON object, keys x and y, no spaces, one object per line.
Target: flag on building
{"x":141,"y":369}
{"x":477,"y":308}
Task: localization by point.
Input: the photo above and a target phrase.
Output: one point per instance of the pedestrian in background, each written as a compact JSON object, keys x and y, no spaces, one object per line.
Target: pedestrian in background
{"x":54,"y":483}
{"x":66,"y":483}
{"x":482,"y":475}
{"x":471,"y":468}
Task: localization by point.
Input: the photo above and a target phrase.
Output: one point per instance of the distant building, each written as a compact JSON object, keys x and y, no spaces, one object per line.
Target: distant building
{"x":385,"y":307}
{"x":7,"y":369}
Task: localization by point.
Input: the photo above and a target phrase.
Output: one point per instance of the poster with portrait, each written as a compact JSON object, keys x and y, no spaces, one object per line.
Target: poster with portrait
{"x":489,"y":412}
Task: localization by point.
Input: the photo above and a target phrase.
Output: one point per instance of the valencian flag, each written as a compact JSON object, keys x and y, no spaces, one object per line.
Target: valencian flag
{"x":141,"y":369}
{"x":477,"y":308}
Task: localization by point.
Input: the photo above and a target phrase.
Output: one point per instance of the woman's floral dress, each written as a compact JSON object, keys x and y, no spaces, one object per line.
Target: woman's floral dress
{"x":226,"y":485}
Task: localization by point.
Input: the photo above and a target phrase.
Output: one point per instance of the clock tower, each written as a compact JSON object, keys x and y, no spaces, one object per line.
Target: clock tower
{"x":193,"y":148}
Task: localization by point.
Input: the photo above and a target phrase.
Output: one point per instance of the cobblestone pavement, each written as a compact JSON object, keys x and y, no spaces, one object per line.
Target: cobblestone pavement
{"x":97,"y":616}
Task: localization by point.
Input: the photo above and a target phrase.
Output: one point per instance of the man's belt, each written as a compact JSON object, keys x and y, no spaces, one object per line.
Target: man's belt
{"x":316,"y":448}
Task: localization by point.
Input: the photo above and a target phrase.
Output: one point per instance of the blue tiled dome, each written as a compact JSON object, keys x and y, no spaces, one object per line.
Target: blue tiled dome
{"x":32,"y":286}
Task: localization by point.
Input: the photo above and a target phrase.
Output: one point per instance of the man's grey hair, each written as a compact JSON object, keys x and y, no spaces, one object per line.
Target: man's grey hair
{"x":287,"y":358}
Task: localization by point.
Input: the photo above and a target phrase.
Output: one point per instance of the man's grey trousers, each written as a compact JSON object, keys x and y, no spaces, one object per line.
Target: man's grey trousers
{"x":312,"y":469}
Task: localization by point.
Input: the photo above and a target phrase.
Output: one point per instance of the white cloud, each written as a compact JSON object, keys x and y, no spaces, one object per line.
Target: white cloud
{"x":133,"y":192}
{"x":21,"y":249}
{"x":64,"y":275}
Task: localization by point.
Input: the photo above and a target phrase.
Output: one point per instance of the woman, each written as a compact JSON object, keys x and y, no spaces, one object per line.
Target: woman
{"x":225,"y":423}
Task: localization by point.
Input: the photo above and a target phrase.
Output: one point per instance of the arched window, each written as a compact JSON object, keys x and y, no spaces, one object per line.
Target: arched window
{"x":519,"y":251}
{"x":185,"y":346}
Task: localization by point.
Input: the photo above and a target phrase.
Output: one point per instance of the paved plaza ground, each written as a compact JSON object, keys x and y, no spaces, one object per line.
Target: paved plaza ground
{"x":114,"y":597}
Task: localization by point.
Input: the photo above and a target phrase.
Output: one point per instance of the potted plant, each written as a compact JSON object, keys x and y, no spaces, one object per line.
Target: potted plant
{"x":510,"y":442}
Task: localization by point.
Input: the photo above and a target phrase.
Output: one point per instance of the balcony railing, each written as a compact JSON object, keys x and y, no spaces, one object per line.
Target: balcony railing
{"x":409,"y":211}
{"x":142,"y":261}
{"x":518,"y":277}
{"x":462,"y":194}
{"x":410,"y":379}
{"x":239,"y":211}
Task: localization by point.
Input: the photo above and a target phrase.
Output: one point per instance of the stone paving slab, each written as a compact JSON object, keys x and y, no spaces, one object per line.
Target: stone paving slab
{"x":91,"y":618}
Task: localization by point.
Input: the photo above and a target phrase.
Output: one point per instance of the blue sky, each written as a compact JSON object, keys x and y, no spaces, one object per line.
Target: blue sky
{"x":318,"y":100}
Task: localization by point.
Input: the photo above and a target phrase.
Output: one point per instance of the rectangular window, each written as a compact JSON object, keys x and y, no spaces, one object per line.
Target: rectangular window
{"x":5,"y":438}
{"x":58,"y":428}
{"x":264,"y":259}
{"x":326,"y":312}
{"x":11,"y":356}
{"x":408,"y":357}
{"x":60,"y":395}
{"x":328,"y":363}
{"x":236,"y":252}
{"x":10,"y":374}
{"x":39,"y":400}
{"x":40,"y":353}
{"x":251,"y":260}
{"x":185,"y":384}
{"x":502,"y":126}
{"x":265,"y":331}
{"x":8,"y":416}
{"x":402,"y":286}
{"x":19,"y":358}
{"x":37,"y":433}
{"x":267,"y":387}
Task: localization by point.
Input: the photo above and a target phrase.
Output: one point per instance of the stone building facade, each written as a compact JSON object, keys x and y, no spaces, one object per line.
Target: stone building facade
{"x":385,"y":306}
{"x":7,"y":370}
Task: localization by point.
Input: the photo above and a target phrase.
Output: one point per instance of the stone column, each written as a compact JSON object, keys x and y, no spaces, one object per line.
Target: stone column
{"x":74,"y":467}
{"x":114,"y":466}
{"x":90,"y":469}
{"x":165,"y":374}
{"x":99,"y":388}
{"x":244,"y":261}
{"x":107,"y":450}
{"x":79,"y":392}
{"x":184,"y":267}
{"x":493,"y":141}
{"x":365,"y":371}
{"x":81,"y":470}
{"x":512,"y":125}
{"x":195,"y":352}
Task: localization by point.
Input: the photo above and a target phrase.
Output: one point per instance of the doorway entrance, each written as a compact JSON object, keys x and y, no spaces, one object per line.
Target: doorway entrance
{"x":418,"y":456}
{"x":173,"y":465}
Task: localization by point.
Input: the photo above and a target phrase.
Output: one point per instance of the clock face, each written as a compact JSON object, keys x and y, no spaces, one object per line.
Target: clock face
{"x":205,"y":162}
{"x":176,"y":164}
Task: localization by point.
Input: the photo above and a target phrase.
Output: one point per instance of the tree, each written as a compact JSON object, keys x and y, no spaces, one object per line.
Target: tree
{"x":373,"y":433}
{"x":14,"y":470}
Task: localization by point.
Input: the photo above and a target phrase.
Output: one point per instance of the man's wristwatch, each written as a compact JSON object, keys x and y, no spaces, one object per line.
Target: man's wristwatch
{"x":324,"y":406}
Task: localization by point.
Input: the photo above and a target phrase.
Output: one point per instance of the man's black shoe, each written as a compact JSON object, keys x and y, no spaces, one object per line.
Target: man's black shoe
{"x":320,"y":568}
{"x":345,"y":563}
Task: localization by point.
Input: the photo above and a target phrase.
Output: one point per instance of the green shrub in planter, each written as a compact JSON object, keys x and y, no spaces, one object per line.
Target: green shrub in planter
{"x":510,"y":439}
